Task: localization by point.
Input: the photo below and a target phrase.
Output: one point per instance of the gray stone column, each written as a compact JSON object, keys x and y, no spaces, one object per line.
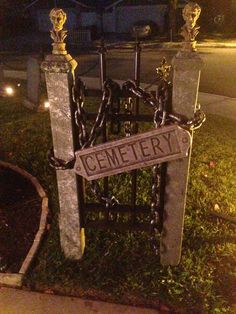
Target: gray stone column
{"x":33,"y":83}
{"x":59,"y":79}
{"x":187,"y":66}
{"x":59,"y":71}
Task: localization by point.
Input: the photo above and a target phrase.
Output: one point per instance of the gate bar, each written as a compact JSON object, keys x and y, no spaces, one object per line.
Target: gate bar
{"x":103,"y":77}
{"x":137,"y":50}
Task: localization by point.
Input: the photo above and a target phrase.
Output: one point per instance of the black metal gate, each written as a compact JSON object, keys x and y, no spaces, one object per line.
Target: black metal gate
{"x":120,"y":112}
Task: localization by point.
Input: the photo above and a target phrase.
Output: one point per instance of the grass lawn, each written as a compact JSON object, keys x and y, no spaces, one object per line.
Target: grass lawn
{"x":121,"y":267}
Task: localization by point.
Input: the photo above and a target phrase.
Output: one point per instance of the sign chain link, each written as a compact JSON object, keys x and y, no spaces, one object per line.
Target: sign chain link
{"x":128,"y":111}
{"x":89,"y":140}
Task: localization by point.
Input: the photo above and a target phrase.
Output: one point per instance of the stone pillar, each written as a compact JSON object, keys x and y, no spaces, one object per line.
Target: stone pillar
{"x":33,"y":83}
{"x":59,"y":71}
{"x":187,"y":66}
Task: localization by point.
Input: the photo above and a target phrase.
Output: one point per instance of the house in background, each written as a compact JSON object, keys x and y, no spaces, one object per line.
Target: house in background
{"x":108,"y":16}
{"x":118,"y":16}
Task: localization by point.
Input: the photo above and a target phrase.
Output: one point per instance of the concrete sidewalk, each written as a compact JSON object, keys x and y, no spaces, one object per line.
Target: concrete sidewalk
{"x":216,"y":104}
{"x":13,"y":301}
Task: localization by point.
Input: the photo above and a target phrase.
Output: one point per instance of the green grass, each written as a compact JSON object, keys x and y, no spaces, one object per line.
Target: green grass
{"x":121,"y":266}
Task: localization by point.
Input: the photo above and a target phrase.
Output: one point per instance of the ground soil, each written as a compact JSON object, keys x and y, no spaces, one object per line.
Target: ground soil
{"x":20,"y":209}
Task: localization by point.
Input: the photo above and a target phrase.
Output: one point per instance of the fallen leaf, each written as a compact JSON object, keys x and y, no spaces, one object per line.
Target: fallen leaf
{"x":212,"y":164}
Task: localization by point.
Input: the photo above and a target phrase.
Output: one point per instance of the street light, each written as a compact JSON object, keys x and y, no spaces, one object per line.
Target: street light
{"x":9,"y":91}
{"x":6,"y":90}
{"x":46,"y":104}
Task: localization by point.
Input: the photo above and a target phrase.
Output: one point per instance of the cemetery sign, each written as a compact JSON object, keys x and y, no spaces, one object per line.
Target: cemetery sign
{"x":146,"y":149}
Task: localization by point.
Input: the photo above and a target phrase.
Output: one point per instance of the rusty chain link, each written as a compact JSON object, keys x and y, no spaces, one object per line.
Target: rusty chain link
{"x":88,"y":140}
{"x":162,"y":115}
{"x":128,"y":127}
{"x":155,"y":221}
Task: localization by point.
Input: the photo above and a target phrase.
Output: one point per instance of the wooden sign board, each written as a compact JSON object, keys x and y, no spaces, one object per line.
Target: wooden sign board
{"x":146,"y":149}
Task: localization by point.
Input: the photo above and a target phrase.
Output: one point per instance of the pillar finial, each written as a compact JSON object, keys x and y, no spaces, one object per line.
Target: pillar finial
{"x":190,"y":30}
{"x":58,"y":34}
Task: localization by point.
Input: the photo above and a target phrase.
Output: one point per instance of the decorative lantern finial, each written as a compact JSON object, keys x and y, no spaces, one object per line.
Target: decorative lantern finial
{"x":190,"y":30}
{"x":58,"y":19}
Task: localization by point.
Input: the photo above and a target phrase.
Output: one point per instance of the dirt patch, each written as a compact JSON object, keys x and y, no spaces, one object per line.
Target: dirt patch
{"x":20,"y":210}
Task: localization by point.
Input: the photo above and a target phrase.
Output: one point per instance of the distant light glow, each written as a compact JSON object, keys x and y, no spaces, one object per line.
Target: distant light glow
{"x":19,"y":84}
{"x":9,"y":90}
{"x":46,"y":104}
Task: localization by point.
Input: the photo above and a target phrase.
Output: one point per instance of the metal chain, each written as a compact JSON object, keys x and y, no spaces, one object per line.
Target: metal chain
{"x":128,"y":111}
{"x":78,"y":92}
{"x":155,"y":207}
{"x":162,"y":115}
{"x":163,"y":98}
{"x":59,"y":164}
{"x":130,"y":87}
{"x":88,"y":140}
{"x":147,"y":98}
{"x":100,"y":119}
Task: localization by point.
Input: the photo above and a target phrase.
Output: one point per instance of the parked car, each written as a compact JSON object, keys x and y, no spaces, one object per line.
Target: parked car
{"x":144,"y":29}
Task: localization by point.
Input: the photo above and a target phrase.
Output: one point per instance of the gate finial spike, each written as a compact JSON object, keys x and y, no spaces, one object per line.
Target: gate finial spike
{"x":163,"y":71}
{"x":190,"y":30}
{"x":58,"y":34}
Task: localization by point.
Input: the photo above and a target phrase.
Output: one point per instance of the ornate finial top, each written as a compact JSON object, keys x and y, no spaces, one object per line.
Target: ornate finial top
{"x":190,"y":30}
{"x":164,"y":69}
{"x":58,"y":19}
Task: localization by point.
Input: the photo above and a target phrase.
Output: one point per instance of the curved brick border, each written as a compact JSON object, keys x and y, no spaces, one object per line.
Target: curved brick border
{"x":16,"y":279}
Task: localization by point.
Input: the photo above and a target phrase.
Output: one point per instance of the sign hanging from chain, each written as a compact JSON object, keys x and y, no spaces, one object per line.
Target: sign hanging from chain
{"x":146,"y":149}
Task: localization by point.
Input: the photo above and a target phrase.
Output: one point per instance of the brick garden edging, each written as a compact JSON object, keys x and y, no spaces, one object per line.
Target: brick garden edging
{"x":16,"y":279}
